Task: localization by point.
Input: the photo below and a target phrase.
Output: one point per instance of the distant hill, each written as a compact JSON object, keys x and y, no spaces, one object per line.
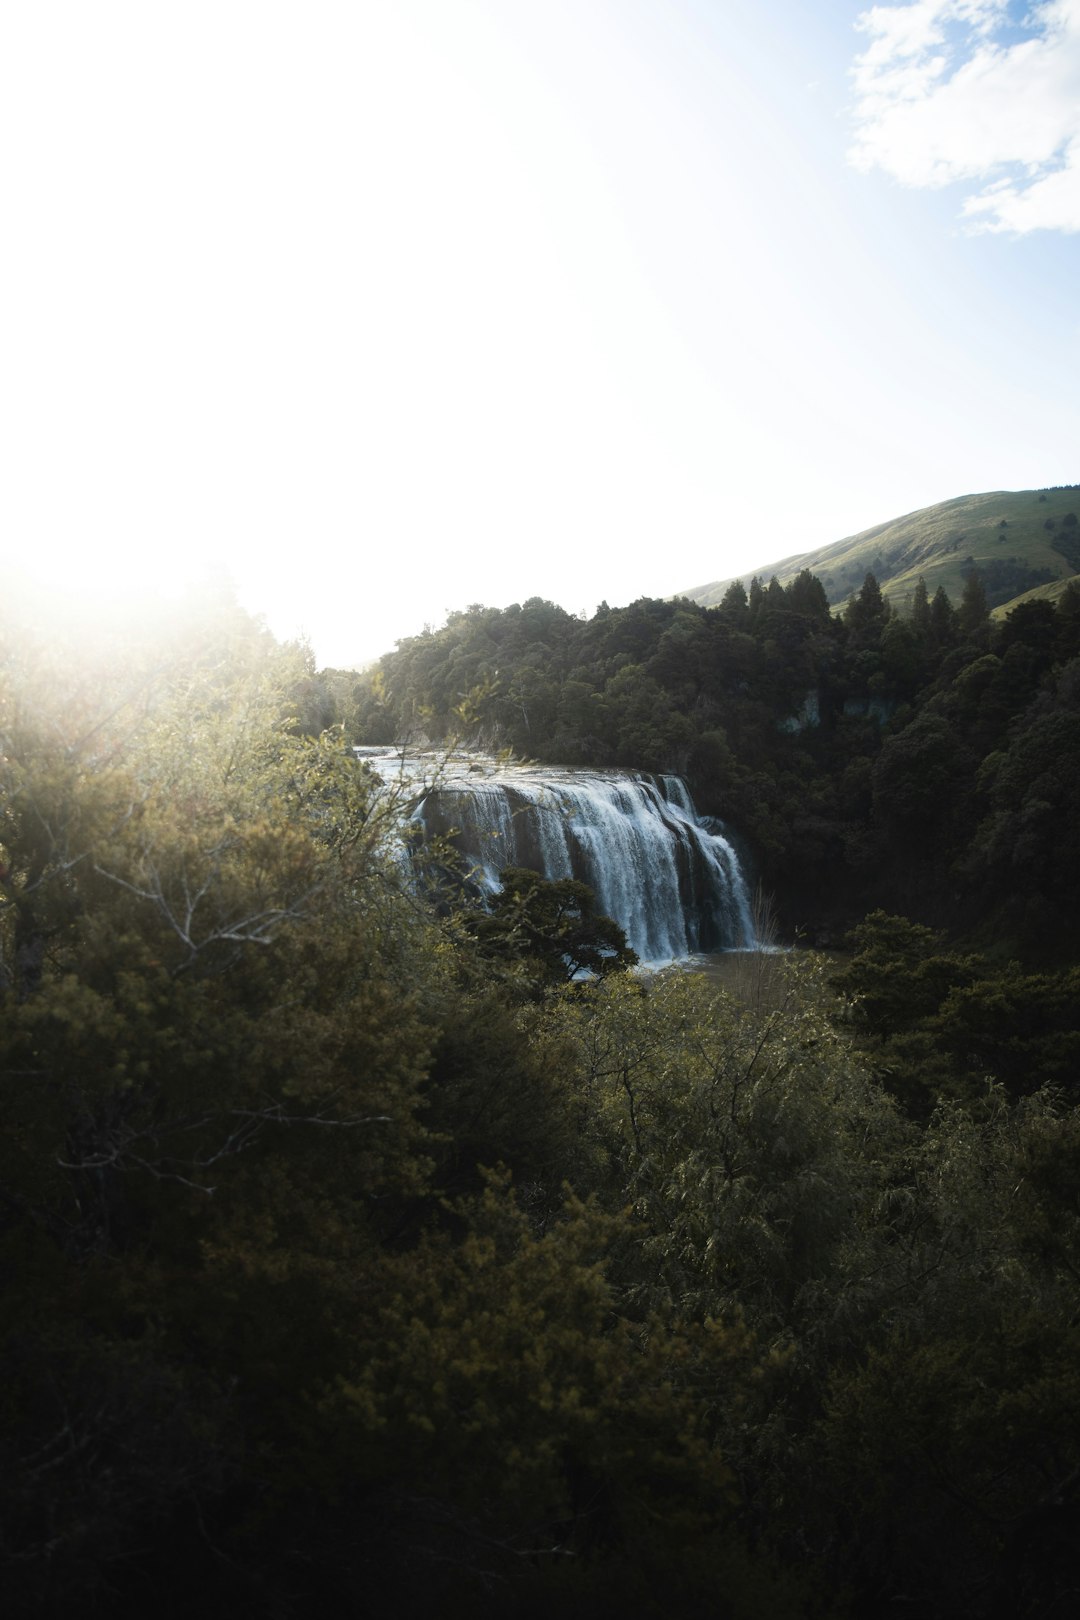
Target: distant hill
{"x":1021,"y":541}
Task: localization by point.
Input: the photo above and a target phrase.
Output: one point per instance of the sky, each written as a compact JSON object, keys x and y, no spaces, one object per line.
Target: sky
{"x":388,"y":307}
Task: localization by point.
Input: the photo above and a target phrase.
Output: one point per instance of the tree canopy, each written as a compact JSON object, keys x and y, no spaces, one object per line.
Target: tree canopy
{"x":868,"y":759}
{"x":362,"y":1254}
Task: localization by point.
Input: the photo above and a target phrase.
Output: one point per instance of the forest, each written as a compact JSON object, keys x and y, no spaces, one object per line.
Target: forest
{"x":925,"y":764}
{"x":360,"y":1259}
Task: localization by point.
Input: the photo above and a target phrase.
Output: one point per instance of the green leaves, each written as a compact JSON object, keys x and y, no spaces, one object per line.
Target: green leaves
{"x":737,"y":1134}
{"x":506,"y":1355}
{"x":552,"y":927}
{"x":268,"y":1310}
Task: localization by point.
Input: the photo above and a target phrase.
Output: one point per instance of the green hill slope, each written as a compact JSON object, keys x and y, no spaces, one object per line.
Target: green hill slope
{"x":1020,"y":541}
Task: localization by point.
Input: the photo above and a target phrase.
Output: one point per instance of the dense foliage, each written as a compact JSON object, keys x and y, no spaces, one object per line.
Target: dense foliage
{"x":925,"y":764}
{"x":354,"y":1262}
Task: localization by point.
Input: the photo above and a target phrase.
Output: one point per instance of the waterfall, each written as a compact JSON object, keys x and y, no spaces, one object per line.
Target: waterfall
{"x":672,"y":884}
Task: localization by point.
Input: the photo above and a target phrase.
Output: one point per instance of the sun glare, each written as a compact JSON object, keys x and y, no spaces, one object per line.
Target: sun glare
{"x":387,"y":309}
{"x":81,"y":596}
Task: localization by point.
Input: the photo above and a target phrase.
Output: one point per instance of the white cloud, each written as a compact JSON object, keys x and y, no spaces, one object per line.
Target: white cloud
{"x":954,"y":91}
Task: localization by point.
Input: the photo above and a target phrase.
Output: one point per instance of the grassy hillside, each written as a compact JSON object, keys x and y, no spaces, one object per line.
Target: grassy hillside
{"x":1020,"y":541}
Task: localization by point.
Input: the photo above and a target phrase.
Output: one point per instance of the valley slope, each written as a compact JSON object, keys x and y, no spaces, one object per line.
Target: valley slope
{"x":1021,"y":541}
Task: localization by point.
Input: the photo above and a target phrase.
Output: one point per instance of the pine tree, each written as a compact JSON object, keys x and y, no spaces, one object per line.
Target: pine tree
{"x":920,"y":609}
{"x":943,"y":623}
{"x":974,"y":614}
{"x":733,"y":605}
{"x":866,"y":615}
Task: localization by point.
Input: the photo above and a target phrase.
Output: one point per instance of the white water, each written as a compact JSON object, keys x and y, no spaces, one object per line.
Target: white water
{"x":672,"y":884}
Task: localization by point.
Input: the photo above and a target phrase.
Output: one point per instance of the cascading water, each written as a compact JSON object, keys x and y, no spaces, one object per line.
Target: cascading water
{"x":673,"y":885}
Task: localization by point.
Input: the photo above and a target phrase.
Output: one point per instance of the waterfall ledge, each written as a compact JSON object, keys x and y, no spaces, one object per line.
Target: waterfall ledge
{"x":673,"y":885}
